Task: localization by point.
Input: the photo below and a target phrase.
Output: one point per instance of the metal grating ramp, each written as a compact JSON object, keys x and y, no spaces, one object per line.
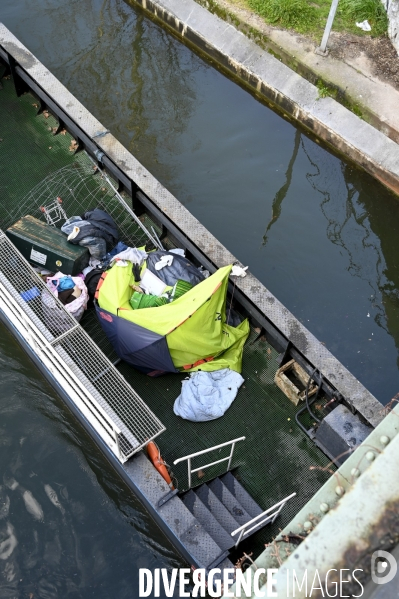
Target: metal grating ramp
{"x":118,"y":403}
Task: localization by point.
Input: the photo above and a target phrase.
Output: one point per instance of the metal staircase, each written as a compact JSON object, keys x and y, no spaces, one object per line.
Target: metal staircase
{"x":222,"y":506}
{"x":228,"y":513}
{"x":207,"y":522}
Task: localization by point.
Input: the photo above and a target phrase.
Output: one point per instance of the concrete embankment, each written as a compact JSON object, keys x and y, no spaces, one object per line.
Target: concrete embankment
{"x":276,"y":83}
{"x":347,"y":73}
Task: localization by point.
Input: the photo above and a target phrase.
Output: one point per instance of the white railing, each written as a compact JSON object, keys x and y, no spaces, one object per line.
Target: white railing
{"x":247,"y":528}
{"x":48,"y":356}
{"x":87,"y":376}
{"x":193,"y":455}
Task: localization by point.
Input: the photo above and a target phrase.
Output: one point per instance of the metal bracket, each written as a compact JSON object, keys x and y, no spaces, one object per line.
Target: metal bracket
{"x":20,"y":86}
{"x":320,"y":52}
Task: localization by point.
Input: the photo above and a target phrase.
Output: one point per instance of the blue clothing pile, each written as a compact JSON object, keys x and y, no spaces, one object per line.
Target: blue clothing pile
{"x":207,"y":395}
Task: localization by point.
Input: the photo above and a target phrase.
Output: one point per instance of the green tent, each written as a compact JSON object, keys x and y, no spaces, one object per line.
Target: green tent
{"x":187,"y":334}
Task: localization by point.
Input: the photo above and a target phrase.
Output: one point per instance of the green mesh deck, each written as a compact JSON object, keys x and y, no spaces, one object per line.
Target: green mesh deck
{"x":276,"y":457}
{"x":273,"y":461}
{"x":28,"y":149}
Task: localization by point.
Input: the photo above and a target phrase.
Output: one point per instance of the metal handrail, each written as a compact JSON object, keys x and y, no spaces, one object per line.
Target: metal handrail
{"x":193,"y":455}
{"x":244,"y":530}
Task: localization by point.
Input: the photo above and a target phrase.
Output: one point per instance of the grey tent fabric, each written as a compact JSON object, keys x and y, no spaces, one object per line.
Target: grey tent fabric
{"x":207,"y":395}
{"x":136,"y":345}
{"x":181,"y":268}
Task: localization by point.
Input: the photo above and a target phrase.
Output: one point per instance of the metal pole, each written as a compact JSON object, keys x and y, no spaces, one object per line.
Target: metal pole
{"x":189,"y":472}
{"x":231,"y":455}
{"x":322,"y":49}
{"x":240,"y":537}
{"x":278,"y":511}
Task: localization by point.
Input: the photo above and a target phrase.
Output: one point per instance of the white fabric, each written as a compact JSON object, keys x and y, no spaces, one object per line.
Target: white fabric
{"x":132,"y":255}
{"x":72,"y":235}
{"x":364,"y":25}
{"x":164,"y":261}
{"x":238,"y":271}
{"x":207,"y":395}
{"x":152,"y":284}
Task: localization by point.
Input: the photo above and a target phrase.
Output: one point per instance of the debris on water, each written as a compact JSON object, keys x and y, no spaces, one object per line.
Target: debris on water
{"x":32,"y":505}
{"x":368,"y":314}
{"x":52,"y":495}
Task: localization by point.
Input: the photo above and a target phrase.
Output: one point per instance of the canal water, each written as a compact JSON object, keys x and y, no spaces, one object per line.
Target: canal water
{"x":320,"y":234}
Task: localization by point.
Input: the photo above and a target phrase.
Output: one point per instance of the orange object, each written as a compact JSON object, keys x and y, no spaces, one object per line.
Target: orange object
{"x":155,"y":456}
{"x":100,"y":282}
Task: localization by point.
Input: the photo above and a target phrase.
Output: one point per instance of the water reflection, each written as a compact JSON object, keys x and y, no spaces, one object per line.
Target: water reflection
{"x":68,"y":525}
{"x":349,"y":228}
{"x":362,"y":228}
{"x":282,"y":192}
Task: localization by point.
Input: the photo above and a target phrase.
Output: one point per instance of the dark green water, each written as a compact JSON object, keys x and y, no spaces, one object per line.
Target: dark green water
{"x":321,"y":235}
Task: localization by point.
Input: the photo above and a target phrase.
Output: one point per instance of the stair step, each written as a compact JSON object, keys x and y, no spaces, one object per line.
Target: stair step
{"x":224,"y":566}
{"x":229,"y":501}
{"x":216,"y":507}
{"x":208,"y":521}
{"x":243,"y":497}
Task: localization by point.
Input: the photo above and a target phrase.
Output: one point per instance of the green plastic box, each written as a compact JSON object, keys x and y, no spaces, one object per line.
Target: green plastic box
{"x":46,"y":246}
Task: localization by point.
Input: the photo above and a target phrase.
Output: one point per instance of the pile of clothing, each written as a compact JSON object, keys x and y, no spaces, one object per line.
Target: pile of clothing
{"x":72,"y":292}
{"x":207,"y":395}
{"x":95,"y":230}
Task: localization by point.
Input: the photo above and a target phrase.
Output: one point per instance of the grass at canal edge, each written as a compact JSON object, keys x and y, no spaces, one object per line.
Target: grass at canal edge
{"x":309,"y":17}
{"x":325,"y":88}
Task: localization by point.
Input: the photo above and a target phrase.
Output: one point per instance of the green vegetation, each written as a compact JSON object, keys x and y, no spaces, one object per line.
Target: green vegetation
{"x":322,"y":89}
{"x":306,"y":16}
{"x":289,"y":13}
{"x":326,"y":90}
{"x":358,"y":10}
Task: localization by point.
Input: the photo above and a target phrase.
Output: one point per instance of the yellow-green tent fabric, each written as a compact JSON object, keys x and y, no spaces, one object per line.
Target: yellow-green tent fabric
{"x":192,"y":328}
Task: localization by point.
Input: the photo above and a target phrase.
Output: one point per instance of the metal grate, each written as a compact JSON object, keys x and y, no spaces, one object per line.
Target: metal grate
{"x":31,"y":293}
{"x":275,"y":459}
{"x":96,"y":373}
{"x":81,"y":187}
{"x":91,"y":366}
